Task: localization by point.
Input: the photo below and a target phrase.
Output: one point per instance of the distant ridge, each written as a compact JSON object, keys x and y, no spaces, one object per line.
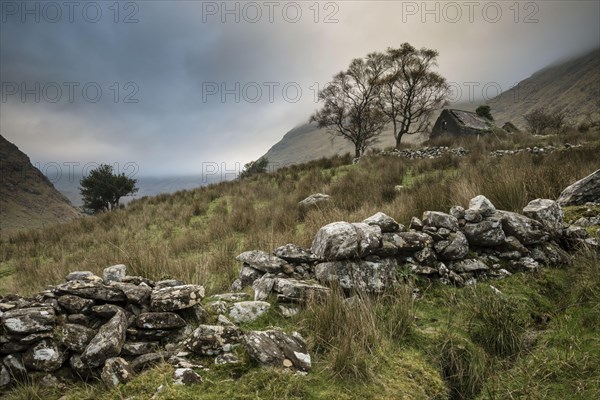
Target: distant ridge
{"x":27,"y":198}
{"x":572,"y":85}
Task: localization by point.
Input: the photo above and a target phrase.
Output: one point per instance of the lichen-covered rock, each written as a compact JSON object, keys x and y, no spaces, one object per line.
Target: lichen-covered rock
{"x":487,"y":233}
{"x":138,"y":348}
{"x":314,"y":200}
{"x":75,"y":304}
{"x":528,"y":231}
{"x":45,"y":355}
{"x":185,"y":376}
{"x":294,"y":254}
{"x":137,"y":294}
{"x":91,"y":290}
{"x":294,"y":291}
{"x":371,"y":276}
{"x":384,"y":222}
{"x":22,"y":321}
{"x":159,"y":320}
{"x":336,"y":241}
{"x":455,"y":247}
{"x":426,"y":256}
{"x":261,"y":261}
{"x":116,"y":371}
{"x":469,"y":265}
{"x":107,"y":343}
{"x":75,"y":337}
{"x":248,"y":311}
{"x":278,"y":349}
{"x":262,"y":287}
{"x":482,"y":205}
{"x":440,"y":220}
{"x":548,"y":213}
{"x":176,"y":297}
{"x":114,"y":273}
{"x":210,"y":340}
{"x":15,"y":366}
{"x":248,"y":275}
{"x":226,"y":358}
{"x":4,"y":376}
{"x":83,"y":276}
{"x":409,"y":241}
{"x":369,"y":238}
{"x":586,"y":190}
{"x":457,"y":212}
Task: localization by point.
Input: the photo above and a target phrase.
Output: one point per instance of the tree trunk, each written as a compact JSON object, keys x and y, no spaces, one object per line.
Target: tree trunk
{"x":398,"y":139}
{"x":356,"y":150}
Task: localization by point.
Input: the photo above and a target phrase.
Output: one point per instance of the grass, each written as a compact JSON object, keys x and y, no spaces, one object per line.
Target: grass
{"x":538,"y":339}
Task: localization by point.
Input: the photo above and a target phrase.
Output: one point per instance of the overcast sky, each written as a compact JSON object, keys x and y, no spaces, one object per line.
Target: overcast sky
{"x":170,"y":85}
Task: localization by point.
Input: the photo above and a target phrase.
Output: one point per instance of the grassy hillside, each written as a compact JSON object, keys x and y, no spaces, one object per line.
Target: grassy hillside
{"x":538,"y":340}
{"x":27,"y":198}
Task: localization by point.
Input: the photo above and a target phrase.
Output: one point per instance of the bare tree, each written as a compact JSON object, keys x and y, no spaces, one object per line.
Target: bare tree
{"x":411,"y":91}
{"x":351,"y":103}
{"x":540,"y":120}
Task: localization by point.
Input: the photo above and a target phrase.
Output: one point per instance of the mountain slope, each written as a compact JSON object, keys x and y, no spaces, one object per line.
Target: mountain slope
{"x":307,"y":142}
{"x":573,"y":85}
{"x":27,"y":198}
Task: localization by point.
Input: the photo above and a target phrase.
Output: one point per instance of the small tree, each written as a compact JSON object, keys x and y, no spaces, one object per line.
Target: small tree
{"x":484,"y":111}
{"x":351,"y":103}
{"x":540,"y":120}
{"x":411,"y":90}
{"x":102,"y":189}
{"x":254,"y":167}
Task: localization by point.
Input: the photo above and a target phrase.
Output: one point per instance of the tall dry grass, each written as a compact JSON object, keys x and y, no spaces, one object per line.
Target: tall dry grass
{"x":195,"y":235}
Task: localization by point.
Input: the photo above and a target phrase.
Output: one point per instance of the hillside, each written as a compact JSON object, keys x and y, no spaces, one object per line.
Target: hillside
{"x":307,"y":142}
{"x":27,"y":198}
{"x":572,"y":85}
{"x":535,"y":338}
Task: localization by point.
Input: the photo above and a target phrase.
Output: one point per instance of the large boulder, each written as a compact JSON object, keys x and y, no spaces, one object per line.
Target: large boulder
{"x":278,"y":349}
{"x":528,"y":231}
{"x":487,"y":233}
{"x":336,"y":241}
{"x":548,"y":213}
{"x":583,"y":191}
{"x":22,"y":321}
{"x":261,"y":261}
{"x":176,"y":297}
{"x":107,"y":343}
{"x":371,"y":276}
{"x":45,"y":355}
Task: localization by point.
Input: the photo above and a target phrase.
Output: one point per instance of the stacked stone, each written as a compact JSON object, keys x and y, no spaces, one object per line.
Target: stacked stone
{"x":118,"y":325}
{"x":427,"y":152}
{"x":459,"y":247}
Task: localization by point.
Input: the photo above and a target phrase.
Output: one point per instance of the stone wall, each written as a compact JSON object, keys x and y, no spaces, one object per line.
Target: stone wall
{"x":115,"y":326}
